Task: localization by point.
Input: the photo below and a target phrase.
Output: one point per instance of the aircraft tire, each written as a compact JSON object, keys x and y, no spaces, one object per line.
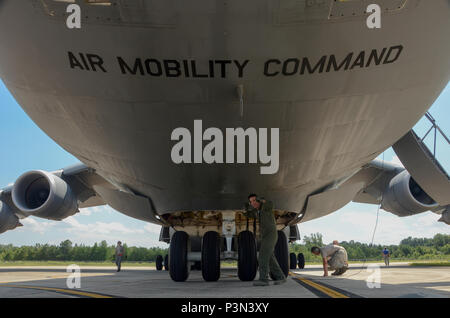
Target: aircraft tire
{"x":166,"y":262}
{"x":247,"y":257}
{"x":292,"y":261}
{"x":282,"y":253}
{"x":178,"y":264}
{"x":159,"y":262}
{"x":210,"y":264}
{"x":301,"y":260}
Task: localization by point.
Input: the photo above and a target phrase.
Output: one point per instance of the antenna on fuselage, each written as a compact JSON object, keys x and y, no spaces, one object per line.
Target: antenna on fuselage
{"x":240,"y":92}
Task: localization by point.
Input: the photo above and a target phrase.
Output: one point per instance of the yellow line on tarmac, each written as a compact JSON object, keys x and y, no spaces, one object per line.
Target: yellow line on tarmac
{"x":60,"y":290}
{"x":328,"y":291}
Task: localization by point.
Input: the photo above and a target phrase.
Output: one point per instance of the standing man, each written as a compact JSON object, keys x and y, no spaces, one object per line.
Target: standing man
{"x":333,"y":256}
{"x":268,"y":231}
{"x":119,"y":254}
{"x":386,"y":256}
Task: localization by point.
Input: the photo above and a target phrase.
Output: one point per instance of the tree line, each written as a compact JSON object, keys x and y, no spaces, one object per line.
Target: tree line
{"x":66,"y":251}
{"x":437,"y":247}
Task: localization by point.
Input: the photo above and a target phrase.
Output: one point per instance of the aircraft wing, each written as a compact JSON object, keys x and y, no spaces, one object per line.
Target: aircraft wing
{"x":60,"y":194}
{"x":397,"y":190}
{"x":364,"y":185}
{"x":378,"y":182}
{"x":378,"y":174}
{"x":51,"y":195}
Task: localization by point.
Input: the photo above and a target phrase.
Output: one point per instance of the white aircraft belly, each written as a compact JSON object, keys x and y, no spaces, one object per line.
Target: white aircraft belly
{"x":330,"y":123}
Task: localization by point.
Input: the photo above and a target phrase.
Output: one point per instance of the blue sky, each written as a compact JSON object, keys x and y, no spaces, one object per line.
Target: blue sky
{"x":25,"y":147}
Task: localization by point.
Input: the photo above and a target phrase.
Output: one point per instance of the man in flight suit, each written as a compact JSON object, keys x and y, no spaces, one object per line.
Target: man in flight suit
{"x":268,"y":231}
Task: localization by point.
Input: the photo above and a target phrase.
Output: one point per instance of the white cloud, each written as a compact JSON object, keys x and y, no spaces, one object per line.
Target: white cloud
{"x":88,"y":233}
{"x":357,"y":222}
{"x":86,"y":211}
{"x":153,"y":228}
{"x":396,"y":160}
{"x":96,"y":209}
{"x":99,"y":227}
{"x":33,"y":225}
{"x":427,"y":219}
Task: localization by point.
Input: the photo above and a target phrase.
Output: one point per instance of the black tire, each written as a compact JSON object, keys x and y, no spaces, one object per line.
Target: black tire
{"x":301,"y":260}
{"x":292,"y":261}
{"x":166,"y":262}
{"x":247,"y":257}
{"x":211,"y":256}
{"x":178,"y":264}
{"x":282,"y":253}
{"x":159,"y":262}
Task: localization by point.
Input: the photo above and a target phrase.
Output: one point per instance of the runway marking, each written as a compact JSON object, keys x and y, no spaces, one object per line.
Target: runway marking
{"x":344,"y":292}
{"x":62,"y":291}
{"x":322,"y":289}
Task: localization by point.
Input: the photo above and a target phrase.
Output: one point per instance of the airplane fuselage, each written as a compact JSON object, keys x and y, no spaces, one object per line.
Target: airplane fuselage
{"x":112,"y":92}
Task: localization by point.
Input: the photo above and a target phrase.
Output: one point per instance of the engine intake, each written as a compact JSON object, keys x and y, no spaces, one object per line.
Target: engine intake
{"x":44,"y":195}
{"x":405,"y":197}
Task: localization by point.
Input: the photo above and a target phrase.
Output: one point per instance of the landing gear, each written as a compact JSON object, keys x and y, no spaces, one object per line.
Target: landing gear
{"x":179,"y":248}
{"x":282,"y":253}
{"x":301,"y":260}
{"x":247,"y":259}
{"x":159,"y":262}
{"x":211,"y":256}
{"x":166,"y":262}
{"x":293,"y":261}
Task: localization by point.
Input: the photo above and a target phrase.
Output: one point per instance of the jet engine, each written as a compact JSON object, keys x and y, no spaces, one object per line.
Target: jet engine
{"x":44,"y":195}
{"x":405,"y":197}
{"x":8,"y":220}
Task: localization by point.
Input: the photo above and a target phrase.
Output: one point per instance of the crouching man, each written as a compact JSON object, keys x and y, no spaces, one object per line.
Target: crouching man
{"x":334,"y":257}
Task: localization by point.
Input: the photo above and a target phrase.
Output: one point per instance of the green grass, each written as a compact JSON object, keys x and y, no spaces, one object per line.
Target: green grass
{"x":66,"y":263}
{"x":397,"y":260}
{"x":223,"y":263}
{"x":431,"y":263}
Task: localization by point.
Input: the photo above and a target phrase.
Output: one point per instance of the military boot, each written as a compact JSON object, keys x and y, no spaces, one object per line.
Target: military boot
{"x":337,"y":272}
{"x":343,"y":270}
{"x":279,"y":281}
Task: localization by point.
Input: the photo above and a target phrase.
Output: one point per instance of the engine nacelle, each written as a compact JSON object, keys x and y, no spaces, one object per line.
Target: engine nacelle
{"x":44,"y":195}
{"x":8,"y":220}
{"x":405,"y":197}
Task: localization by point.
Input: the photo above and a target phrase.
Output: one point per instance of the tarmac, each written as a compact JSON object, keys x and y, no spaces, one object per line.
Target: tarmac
{"x":398,"y":280}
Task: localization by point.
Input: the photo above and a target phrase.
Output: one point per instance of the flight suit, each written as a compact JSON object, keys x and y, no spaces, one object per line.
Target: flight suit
{"x":336,"y":257}
{"x":269,"y":236}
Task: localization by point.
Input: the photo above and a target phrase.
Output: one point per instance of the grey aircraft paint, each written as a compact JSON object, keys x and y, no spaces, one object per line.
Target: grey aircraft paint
{"x":112,"y":92}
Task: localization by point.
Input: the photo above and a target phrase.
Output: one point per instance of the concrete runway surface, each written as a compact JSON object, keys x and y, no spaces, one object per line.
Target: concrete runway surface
{"x":398,"y":280}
